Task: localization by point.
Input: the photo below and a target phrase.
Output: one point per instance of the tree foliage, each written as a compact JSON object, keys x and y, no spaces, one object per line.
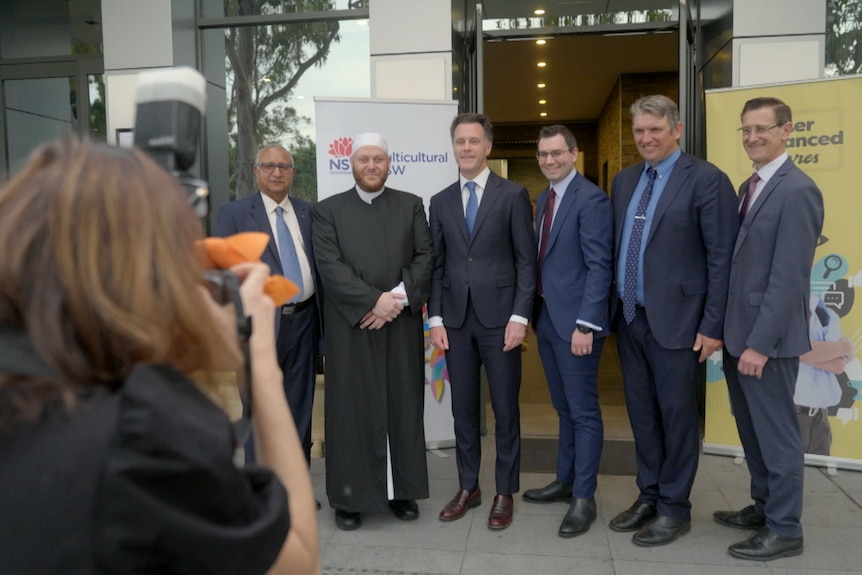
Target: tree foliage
{"x":843,"y":37}
{"x":264,"y":65}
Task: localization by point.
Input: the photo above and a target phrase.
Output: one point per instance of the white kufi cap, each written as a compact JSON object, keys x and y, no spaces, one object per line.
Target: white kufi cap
{"x":369,"y":139}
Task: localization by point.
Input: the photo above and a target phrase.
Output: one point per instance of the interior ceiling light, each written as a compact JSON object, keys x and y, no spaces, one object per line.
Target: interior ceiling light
{"x":543,"y":101}
{"x":540,"y":85}
{"x":539,"y":12}
{"x":541,"y":64}
{"x":543,"y":114}
{"x":541,"y":42}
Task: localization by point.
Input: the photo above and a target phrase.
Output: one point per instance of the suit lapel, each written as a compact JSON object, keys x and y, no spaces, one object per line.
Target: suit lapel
{"x":456,"y":208}
{"x":678,"y":176}
{"x":563,"y":210}
{"x":626,"y":190}
{"x":489,"y":197}
{"x":767,"y":190}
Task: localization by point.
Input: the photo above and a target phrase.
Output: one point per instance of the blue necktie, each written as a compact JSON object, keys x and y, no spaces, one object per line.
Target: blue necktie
{"x":287,"y":251}
{"x":472,"y":207}
{"x":630,"y":281}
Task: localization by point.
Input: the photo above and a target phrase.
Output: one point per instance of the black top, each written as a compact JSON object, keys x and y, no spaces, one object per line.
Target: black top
{"x":141,"y":480}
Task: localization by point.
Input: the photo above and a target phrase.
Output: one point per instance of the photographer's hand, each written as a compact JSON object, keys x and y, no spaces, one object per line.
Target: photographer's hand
{"x":276,"y":439}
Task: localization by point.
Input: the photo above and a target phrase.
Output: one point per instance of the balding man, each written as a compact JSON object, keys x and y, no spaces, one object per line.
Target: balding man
{"x":374,"y":256}
{"x":287,"y":220}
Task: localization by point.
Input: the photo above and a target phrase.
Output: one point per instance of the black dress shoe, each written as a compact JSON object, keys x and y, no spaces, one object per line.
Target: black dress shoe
{"x":554,"y":491}
{"x":764,"y":545}
{"x":404,"y":509}
{"x":661,"y":531}
{"x":746,"y":518}
{"x":581,"y":513}
{"x":347,"y":521}
{"x":634,"y":517}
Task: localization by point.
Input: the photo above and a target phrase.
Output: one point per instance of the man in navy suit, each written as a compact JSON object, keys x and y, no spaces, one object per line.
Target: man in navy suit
{"x":481,"y":298}
{"x":297,"y":323}
{"x":574,"y":234}
{"x":766,"y":330}
{"x":675,"y":223}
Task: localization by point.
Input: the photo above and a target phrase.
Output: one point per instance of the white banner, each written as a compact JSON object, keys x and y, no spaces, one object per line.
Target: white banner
{"x":420,"y":148}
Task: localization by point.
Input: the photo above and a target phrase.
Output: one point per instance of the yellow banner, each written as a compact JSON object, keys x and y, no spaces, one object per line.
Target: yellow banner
{"x":826,"y":143}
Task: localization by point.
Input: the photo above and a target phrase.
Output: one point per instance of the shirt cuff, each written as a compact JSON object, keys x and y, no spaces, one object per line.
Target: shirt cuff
{"x":588,"y":324}
{"x":519,"y":319}
{"x":435,"y":321}
{"x":400,"y":289}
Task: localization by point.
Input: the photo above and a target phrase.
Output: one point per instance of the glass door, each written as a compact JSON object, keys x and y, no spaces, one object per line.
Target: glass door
{"x":43,"y":101}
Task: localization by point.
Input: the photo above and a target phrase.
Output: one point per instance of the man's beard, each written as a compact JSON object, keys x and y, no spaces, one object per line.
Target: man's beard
{"x":367,"y":186}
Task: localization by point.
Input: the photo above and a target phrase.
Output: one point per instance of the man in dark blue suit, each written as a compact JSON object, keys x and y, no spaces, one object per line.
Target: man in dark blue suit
{"x":287,"y":220}
{"x":675,"y":223}
{"x":766,"y":330}
{"x":574,"y":234}
{"x":481,"y":298}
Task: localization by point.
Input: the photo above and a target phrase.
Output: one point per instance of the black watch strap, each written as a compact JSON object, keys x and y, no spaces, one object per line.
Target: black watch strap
{"x":584,"y":328}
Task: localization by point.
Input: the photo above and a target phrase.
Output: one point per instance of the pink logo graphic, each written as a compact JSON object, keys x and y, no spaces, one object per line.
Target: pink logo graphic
{"x":341,"y":147}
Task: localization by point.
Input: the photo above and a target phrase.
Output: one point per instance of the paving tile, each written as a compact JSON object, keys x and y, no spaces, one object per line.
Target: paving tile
{"x":394,"y":559}
{"x":515,"y":564}
{"x":662,"y":568}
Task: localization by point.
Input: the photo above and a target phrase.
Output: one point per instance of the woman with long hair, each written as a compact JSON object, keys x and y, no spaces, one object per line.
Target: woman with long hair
{"x":112,"y":457}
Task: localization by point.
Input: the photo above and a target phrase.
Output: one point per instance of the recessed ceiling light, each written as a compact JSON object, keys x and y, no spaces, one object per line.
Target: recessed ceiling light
{"x":538,"y":12}
{"x":543,"y":114}
{"x":540,"y":42}
{"x":540,"y":85}
{"x":543,"y":101}
{"x":541,"y":64}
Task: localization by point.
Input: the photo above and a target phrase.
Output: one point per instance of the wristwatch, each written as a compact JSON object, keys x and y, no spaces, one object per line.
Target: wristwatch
{"x":584,"y":328}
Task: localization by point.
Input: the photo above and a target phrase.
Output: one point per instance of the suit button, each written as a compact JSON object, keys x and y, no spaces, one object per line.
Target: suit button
{"x":470,"y":260}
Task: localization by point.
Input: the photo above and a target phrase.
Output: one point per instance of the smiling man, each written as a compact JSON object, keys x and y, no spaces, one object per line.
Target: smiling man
{"x":287,"y":220}
{"x":574,"y":234}
{"x":481,"y":296}
{"x":374,"y":257}
{"x":675,"y":224}
{"x":766,"y":330}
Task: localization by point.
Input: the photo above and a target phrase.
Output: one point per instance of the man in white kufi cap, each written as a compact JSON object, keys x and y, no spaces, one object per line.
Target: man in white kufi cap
{"x":374,"y":256}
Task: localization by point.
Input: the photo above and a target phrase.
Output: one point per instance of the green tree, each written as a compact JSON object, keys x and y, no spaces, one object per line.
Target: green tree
{"x":264,"y":65}
{"x":843,"y":37}
{"x":305,"y":179}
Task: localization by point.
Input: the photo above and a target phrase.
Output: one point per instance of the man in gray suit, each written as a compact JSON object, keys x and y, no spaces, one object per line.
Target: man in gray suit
{"x":675,"y":223}
{"x":766,"y":330}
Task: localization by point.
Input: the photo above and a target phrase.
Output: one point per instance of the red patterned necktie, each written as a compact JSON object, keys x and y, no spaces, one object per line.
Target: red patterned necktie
{"x":547,"y":220}
{"x":749,"y":196}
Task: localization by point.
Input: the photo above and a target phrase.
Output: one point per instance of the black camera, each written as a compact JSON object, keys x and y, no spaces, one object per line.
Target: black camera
{"x":169,"y":108}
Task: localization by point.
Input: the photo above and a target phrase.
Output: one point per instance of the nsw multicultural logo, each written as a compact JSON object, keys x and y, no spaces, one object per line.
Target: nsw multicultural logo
{"x":340,"y":150}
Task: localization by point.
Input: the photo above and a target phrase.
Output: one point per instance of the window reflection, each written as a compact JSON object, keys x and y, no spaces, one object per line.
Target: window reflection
{"x":567,"y":21}
{"x":98,"y":118}
{"x":218,"y":8}
{"x":273,"y":74}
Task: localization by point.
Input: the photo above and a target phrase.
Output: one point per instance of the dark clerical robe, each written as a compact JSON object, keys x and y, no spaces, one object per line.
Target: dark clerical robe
{"x":374,"y":378}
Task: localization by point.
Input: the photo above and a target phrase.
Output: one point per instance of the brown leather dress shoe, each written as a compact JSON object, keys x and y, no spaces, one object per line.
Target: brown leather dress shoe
{"x":501,"y":512}
{"x":459,"y":505}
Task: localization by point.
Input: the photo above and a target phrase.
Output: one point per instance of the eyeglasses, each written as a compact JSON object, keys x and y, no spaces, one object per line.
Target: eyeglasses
{"x":759,"y":130}
{"x":269,"y":167}
{"x":555,"y":154}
